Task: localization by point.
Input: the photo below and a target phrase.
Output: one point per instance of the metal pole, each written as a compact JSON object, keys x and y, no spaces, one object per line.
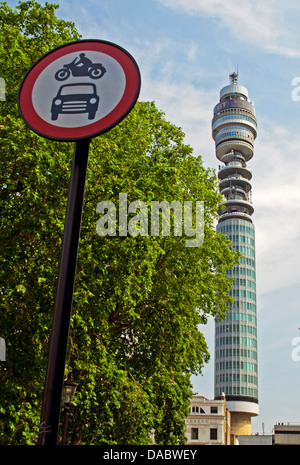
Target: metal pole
{"x":64,"y":296}
{"x":65,"y":427}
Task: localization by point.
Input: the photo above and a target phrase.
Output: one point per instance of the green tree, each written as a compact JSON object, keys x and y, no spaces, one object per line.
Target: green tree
{"x":138,"y":301}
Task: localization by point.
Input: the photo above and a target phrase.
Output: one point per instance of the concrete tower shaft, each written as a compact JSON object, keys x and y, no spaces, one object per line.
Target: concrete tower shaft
{"x":234,"y":129}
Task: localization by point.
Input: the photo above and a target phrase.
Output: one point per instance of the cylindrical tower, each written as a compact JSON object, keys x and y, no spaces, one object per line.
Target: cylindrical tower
{"x":234,"y":131}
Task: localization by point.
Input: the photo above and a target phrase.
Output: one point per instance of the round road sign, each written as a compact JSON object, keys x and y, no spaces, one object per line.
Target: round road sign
{"x":79,"y":90}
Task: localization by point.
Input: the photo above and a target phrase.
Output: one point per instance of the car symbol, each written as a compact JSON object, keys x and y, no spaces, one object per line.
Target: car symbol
{"x":75,"y":98}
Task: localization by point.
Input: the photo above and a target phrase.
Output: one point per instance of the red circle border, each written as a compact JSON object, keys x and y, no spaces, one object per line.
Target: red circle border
{"x":128,"y":100}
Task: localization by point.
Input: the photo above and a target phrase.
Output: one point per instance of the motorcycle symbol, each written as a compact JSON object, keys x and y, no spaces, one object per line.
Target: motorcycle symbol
{"x":83,"y":67}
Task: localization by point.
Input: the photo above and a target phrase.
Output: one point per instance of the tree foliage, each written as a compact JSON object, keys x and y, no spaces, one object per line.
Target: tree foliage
{"x":138,"y":301}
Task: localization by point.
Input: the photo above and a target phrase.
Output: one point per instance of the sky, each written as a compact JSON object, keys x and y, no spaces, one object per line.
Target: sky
{"x":185,"y":50}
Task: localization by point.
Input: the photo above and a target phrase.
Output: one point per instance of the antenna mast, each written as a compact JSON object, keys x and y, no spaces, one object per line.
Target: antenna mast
{"x":234,"y":77}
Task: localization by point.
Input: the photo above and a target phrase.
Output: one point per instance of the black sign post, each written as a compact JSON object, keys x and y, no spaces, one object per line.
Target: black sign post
{"x":101,"y":84}
{"x":64,"y":296}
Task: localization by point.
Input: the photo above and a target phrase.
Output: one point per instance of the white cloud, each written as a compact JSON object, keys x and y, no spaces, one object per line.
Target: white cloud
{"x":276,"y":199}
{"x":187,"y":107}
{"x":259,"y":23}
{"x":178,"y":94}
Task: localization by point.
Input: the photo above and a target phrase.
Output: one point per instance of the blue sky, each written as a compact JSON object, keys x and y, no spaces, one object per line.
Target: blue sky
{"x":185,"y":50}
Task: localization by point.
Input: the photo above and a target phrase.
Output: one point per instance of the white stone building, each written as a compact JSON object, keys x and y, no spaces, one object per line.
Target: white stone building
{"x":208,"y":422}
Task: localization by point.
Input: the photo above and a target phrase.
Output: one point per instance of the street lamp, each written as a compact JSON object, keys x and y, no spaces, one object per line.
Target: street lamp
{"x":2,"y":350}
{"x":2,"y":89}
{"x":68,"y":396}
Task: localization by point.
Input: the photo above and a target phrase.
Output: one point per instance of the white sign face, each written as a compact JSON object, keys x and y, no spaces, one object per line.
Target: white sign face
{"x":65,"y":93}
{"x":79,"y":90}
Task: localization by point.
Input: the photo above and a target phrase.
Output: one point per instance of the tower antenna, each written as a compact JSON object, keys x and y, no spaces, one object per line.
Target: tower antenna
{"x":234,"y":76}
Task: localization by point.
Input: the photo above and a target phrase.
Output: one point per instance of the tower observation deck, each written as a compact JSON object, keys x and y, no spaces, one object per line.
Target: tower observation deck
{"x":234,"y":129}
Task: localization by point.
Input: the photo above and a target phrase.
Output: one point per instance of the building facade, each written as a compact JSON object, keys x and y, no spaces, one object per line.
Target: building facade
{"x":255,"y":440}
{"x":208,"y":422}
{"x":234,"y":129}
{"x":286,"y":434}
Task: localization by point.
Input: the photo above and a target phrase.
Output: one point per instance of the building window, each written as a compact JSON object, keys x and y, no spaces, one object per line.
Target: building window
{"x":213,"y":433}
{"x":194,"y":433}
{"x":213,"y":409}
